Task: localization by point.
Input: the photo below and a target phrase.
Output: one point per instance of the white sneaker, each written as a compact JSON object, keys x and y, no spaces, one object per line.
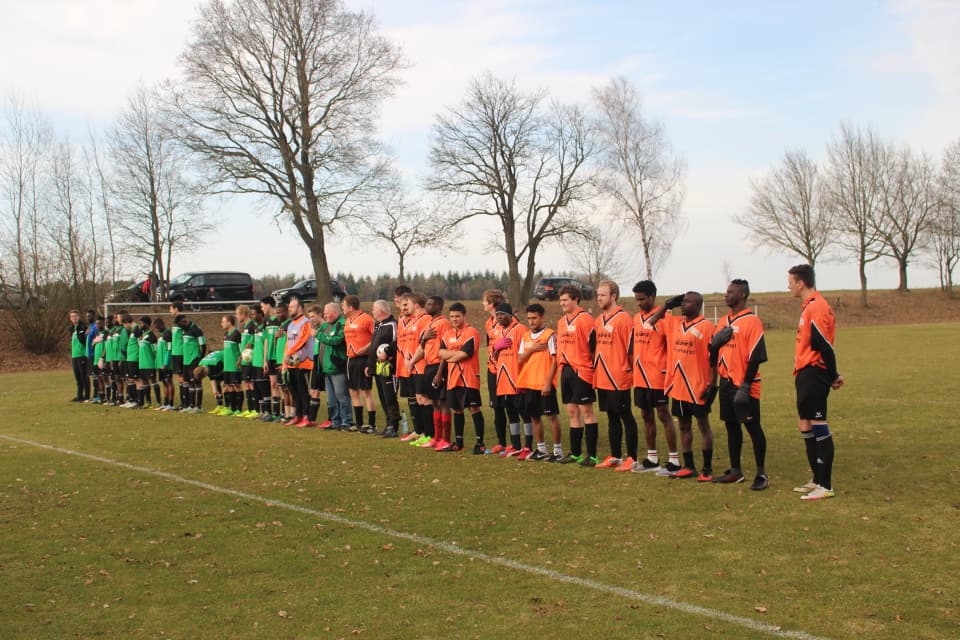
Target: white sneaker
{"x":820,"y":493}
{"x":807,"y":488}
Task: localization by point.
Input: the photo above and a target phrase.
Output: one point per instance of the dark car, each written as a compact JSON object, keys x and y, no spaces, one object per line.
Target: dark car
{"x":133,"y":293}
{"x":549,"y":288}
{"x":210,"y":286}
{"x":307,"y":291}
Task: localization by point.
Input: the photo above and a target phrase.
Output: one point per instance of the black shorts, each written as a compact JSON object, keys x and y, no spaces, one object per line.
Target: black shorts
{"x":492,"y":391}
{"x":356,"y":378}
{"x":512,"y":402}
{"x":645,"y":398}
{"x":813,"y":386}
{"x":176,"y":364}
{"x":574,"y":389}
{"x":318,"y":379}
{"x":405,"y":388}
{"x":438,"y":393}
{"x":246,"y":372}
{"x":231,"y":377}
{"x":131,"y":369}
{"x":461,"y":398}
{"x":730,"y":411}
{"x":258,"y":373}
{"x":188,"y":368}
{"x":684,"y":409}
{"x":614,"y":401}
{"x":535,"y":404}
{"x":146,"y":375}
{"x":272,"y":368}
{"x":164,"y":375}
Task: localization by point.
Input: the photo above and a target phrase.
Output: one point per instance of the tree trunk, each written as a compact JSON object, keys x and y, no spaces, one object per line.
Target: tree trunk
{"x":902,"y":271}
{"x":863,"y":281}
{"x":402,"y":271}
{"x":321,"y":271}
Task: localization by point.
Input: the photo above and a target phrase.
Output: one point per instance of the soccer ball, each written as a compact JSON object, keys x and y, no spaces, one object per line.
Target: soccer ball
{"x":247,"y":356}
{"x":293,"y":359}
{"x":382,"y":351}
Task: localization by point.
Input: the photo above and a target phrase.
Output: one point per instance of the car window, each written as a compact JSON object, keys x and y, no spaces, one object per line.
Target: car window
{"x":183,"y":278}
{"x":197,"y":281}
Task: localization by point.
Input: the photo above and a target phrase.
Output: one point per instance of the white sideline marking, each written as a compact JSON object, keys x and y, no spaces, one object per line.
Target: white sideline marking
{"x":629,"y":594}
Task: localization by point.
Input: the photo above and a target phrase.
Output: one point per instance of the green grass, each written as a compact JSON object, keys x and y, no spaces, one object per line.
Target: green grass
{"x":89,"y":549}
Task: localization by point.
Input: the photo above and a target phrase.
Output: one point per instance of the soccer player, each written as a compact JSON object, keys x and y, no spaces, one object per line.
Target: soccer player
{"x":164,"y":373}
{"x":507,"y":362}
{"x":92,"y":332}
{"x":739,"y":349}
{"x":317,"y":379}
{"x":428,"y":351}
{"x":98,"y":362}
{"x":408,"y":336}
{"x":211,"y":365}
{"x":357,"y":333}
{"x":248,"y":330}
{"x":576,"y":343}
{"x":271,"y":327}
{"x":261,"y":386}
{"x":298,"y":361}
{"x":649,"y":376}
{"x":279,"y":348}
{"x":230,"y":368}
{"x":78,"y":356}
{"x":459,"y":349}
{"x":689,"y":378}
{"x":176,"y":353}
{"x":815,"y":371}
{"x":613,"y":376}
{"x":194,"y":348}
{"x":132,"y":373}
{"x":118,"y":355}
{"x":146,"y":363}
{"x":537,"y":354}
{"x":492,"y":331}
{"x":334,"y":366}
{"x":382,"y":363}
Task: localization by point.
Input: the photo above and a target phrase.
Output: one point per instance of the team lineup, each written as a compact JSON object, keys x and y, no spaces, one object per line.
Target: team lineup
{"x":279,"y":357}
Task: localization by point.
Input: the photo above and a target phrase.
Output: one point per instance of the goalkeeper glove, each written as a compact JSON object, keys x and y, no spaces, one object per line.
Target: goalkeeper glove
{"x":674,"y":302}
{"x":742,"y":396}
{"x":721,"y":338}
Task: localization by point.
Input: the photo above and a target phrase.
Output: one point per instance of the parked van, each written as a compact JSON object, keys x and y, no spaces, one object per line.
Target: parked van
{"x":210,"y":286}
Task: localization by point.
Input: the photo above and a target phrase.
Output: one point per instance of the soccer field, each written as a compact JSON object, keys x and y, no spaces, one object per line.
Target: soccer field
{"x":125,"y":524}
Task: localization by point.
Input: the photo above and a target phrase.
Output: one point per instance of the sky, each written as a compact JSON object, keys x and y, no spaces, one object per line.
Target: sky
{"x":735,"y":83}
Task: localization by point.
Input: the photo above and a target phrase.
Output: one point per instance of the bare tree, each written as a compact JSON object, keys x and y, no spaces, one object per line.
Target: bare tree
{"x":504,"y":154}
{"x":943,"y":243}
{"x":103,"y":217}
{"x":280,"y":99}
{"x":598,"y":254}
{"x":909,"y":203}
{"x":787,"y":209}
{"x":855,"y":194}
{"x":157,"y":205}
{"x":640,"y":171}
{"x":406,"y":227}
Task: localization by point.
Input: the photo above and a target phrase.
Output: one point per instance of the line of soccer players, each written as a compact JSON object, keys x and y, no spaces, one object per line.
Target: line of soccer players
{"x":280,"y":358}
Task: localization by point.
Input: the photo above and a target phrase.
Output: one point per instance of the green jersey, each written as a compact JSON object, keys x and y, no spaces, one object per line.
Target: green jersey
{"x":281,"y":344}
{"x":148,"y":350}
{"x":133,"y":344}
{"x":78,"y":340}
{"x":193,"y":343}
{"x":122,"y":340}
{"x":163,"y":350}
{"x":212,"y":359}
{"x":176,"y":341}
{"x":258,"y":347}
{"x":110,"y":350}
{"x":231,"y":350}
{"x":249,"y":333}
{"x":270,"y":328}
{"x":99,"y":348}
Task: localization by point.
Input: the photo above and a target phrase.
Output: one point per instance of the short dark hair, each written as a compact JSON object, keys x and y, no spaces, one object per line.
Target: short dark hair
{"x":536,"y":308}
{"x":401,"y":290}
{"x":159,"y":324}
{"x":804,"y":273}
{"x":92,"y":312}
{"x":438,"y":299}
{"x":177,"y":302}
{"x":147,"y":320}
{"x":177,"y":319}
{"x":744,"y":286}
{"x":231,"y":319}
{"x":646,"y":287}
{"x":125,"y":318}
{"x":570,"y":291}
{"x":458,"y":307}
{"x":270,"y":300}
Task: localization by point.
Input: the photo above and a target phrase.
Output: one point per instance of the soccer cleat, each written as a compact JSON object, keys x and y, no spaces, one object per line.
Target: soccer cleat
{"x":570,"y":459}
{"x":524,"y":453}
{"x":807,"y":488}
{"x":368,"y":429}
{"x":305,"y":423}
{"x":553,"y":457}
{"x":289,"y":422}
{"x":608,"y":463}
{"x":429,"y":444}
{"x":440,"y":443}
{"x":730,"y":476}
{"x":590,"y":461}
{"x":352,"y":428}
{"x":196,"y":410}
{"x":760,"y":483}
{"x":684,"y":472}
{"x":215,"y":410}
{"x":410,"y":437}
{"x":450,"y":448}
{"x":497,"y":450}
{"x":419,"y":441}
{"x":626,"y":465}
{"x":705,"y":476}
{"x":252,"y":415}
{"x":509,"y":452}
{"x":390,"y":432}
{"x":479,"y":449}
{"x":645,"y":466}
{"x":537,"y":456}
{"x":668,"y":470}
{"x":326,"y":424}
{"x":820,"y":493}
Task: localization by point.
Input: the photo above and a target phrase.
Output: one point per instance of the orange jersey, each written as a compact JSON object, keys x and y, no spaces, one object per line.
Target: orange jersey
{"x":817,"y":322}
{"x":574,"y":337}
{"x":536,"y":370}
{"x":407,"y":336}
{"x":747,"y":345}
{"x":421,"y":324}
{"x":465,"y":373}
{"x":492,"y":329}
{"x":688,"y":357}
{"x":431,"y":348}
{"x":649,"y":352}
{"x":357,"y":333}
{"x":613,"y":360}
{"x":508,"y":360}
